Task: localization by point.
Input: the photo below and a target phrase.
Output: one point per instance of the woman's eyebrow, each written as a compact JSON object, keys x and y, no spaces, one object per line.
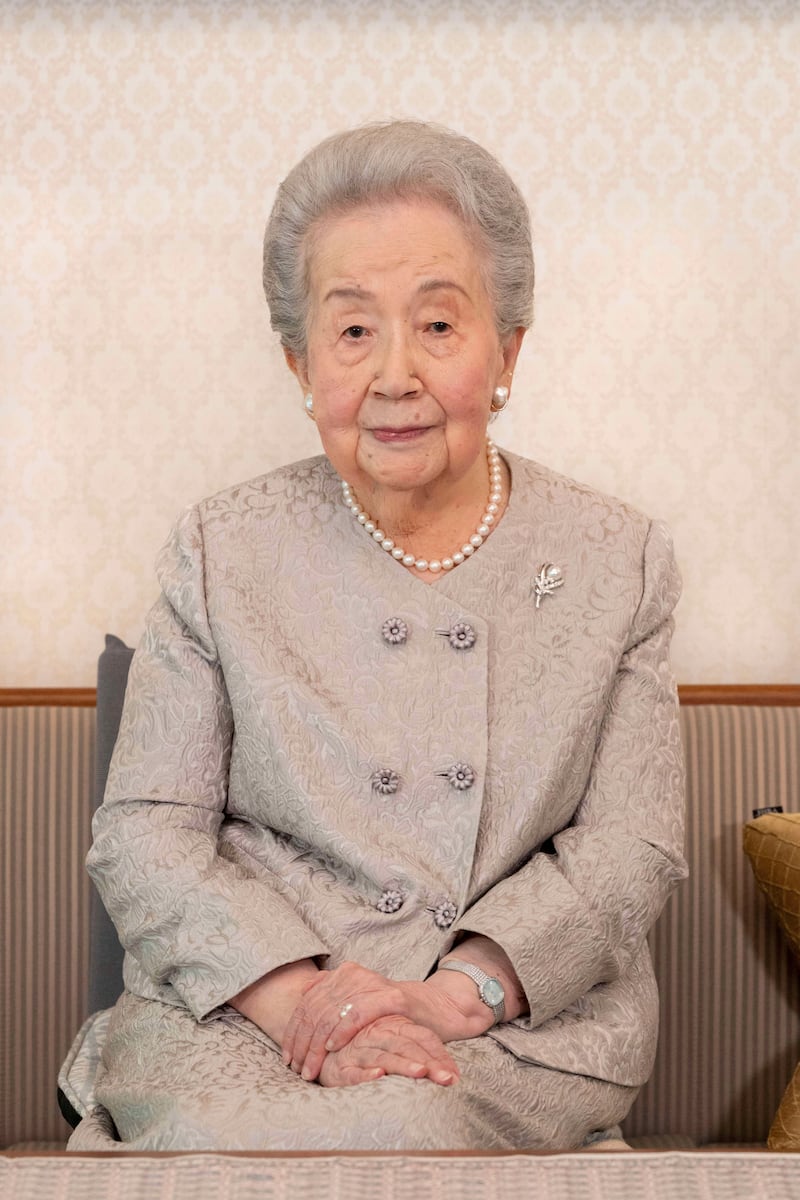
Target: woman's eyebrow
{"x":352,"y":292}
{"x":435,"y":285}
{"x":347,"y":293}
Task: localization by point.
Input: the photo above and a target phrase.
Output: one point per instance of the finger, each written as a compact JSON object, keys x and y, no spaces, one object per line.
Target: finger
{"x":302,"y":1039}
{"x":429,"y":1042}
{"x":313,"y":1030}
{"x":299,"y":1032}
{"x":332,"y":1031}
{"x":337,"y":1030}
{"x":317,"y":996}
{"x":350,"y":1076}
{"x":339,"y":1024}
{"x":412,"y":1068}
{"x":314,"y":1000}
{"x":366,"y":1009}
{"x":430,"y":1047}
{"x":409,"y":1049}
{"x":400,"y":1064}
{"x":415,"y":1043}
{"x":443,"y":1074}
{"x":326,"y":1022}
{"x":287,"y":1045}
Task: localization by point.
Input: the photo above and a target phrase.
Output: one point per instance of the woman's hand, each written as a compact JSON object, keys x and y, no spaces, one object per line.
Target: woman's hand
{"x":337,"y":1004}
{"x":346,"y":1000}
{"x":389,"y":1046}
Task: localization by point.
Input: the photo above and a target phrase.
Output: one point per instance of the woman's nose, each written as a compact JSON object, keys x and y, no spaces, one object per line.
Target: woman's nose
{"x":396,"y":372}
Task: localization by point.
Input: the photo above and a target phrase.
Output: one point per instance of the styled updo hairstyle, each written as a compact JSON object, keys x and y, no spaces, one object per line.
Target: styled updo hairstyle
{"x":387,"y":161}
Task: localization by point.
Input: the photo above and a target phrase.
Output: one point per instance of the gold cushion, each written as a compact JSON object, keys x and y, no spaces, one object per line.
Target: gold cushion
{"x":785,"y":1131}
{"x":772,"y":843}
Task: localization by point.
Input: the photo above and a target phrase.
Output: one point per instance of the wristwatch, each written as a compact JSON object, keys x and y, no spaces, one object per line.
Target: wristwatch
{"x":490,"y":989}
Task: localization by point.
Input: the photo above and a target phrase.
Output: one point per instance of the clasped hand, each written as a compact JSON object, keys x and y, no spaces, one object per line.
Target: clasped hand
{"x":352,"y":1025}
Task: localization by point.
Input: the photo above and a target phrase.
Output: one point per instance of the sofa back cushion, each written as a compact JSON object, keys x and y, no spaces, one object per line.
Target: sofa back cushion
{"x":46,"y":775}
{"x":730,"y":991}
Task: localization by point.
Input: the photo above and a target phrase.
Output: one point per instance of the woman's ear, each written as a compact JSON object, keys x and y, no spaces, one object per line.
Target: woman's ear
{"x":298,"y":367}
{"x":511,"y":349}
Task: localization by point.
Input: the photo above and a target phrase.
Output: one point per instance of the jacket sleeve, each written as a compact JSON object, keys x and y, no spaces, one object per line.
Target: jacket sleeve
{"x":577,"y":916}
{"x":189,"y":917}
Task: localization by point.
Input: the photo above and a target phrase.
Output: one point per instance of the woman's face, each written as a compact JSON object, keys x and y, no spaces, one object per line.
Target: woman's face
{"x":403,"y":353}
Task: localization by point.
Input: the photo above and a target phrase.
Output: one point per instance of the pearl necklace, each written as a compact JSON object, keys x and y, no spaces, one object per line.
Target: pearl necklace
{"x":454,"y":560}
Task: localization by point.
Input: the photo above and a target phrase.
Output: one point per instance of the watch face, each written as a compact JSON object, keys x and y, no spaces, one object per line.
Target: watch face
{"x":492,"y":992}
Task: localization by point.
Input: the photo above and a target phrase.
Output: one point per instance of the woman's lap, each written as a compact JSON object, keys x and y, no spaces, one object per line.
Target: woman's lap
{"x":170,"y":1083}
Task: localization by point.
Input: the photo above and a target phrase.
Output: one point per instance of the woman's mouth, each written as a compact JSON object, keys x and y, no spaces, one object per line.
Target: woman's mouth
{"x":408,"y":433}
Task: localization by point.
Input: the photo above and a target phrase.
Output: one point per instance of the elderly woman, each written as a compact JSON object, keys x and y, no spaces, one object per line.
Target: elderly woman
{"x":397,"y":791}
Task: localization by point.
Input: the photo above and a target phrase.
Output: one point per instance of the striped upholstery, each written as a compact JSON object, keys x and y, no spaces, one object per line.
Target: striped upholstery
{"x":46,"y":779}
{"x":730,"y":991}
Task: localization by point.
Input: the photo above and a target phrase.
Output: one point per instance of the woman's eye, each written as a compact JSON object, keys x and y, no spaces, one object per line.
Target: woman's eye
{"x":440,"y":326}
{"x":355,"y":331}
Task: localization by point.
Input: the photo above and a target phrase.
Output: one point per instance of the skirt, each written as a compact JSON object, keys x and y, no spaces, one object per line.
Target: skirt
{"x":168,"y":1082}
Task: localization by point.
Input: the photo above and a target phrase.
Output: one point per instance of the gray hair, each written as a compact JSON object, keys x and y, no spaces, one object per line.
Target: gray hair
{"x":386,"y":161}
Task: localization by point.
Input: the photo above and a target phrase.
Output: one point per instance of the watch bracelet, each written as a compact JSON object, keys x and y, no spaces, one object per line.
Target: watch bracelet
{"x":479,"y":977}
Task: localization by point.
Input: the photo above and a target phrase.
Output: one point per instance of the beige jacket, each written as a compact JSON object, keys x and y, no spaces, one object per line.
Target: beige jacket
{"x":315,"y":760}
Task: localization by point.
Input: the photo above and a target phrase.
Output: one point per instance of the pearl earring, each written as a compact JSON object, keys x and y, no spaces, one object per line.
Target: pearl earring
{"x":499,"y":402}
{"x":308,"y":405}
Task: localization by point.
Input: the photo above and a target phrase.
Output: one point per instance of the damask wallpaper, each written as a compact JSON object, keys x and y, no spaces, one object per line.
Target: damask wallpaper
{"x":658,"y":145}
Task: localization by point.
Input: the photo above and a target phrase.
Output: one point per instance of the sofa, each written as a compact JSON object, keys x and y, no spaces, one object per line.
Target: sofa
{"x":730,"y":988}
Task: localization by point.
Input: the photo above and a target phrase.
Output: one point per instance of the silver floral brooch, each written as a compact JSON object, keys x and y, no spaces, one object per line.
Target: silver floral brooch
{"x":546,"y":582}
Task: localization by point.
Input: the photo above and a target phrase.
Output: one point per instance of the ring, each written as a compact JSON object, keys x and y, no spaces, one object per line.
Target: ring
{"x":344,"y":1010}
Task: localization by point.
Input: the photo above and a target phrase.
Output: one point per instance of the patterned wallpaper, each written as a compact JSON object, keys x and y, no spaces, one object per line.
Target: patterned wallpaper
{"x":658,"y":145}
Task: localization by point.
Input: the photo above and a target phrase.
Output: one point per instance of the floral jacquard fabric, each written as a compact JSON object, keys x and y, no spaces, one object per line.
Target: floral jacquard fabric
{"x":175,"y":1084}
{"x":242,"y":826}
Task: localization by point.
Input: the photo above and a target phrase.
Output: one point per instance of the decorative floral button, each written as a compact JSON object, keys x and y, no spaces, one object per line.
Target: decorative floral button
{"x":385,"y":781}
{"x":460,"y":776}
{"x":460,"y":635}
{"x":394,"y":630}
{"x":444,"y":914}
{"x":391,"y":900}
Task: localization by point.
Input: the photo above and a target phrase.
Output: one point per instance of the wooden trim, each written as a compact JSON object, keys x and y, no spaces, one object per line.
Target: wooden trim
{"x":777,"y":695}
{"x":48,"y":697}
